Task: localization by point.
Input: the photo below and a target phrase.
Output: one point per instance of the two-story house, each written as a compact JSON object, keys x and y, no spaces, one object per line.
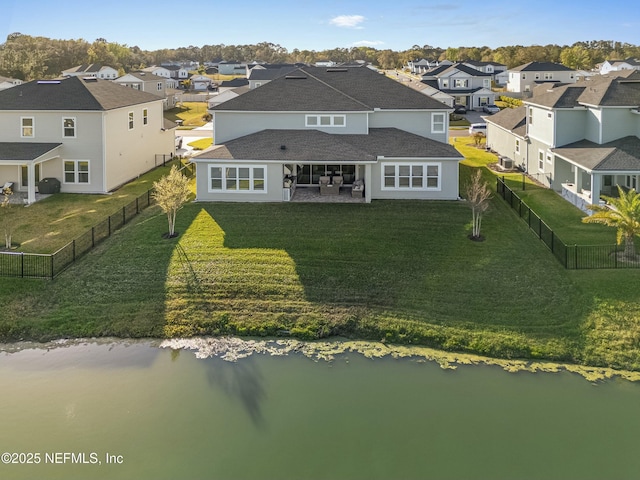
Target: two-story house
{"x":497,"y":70}
{"x":524,"y":78}
{"x":258,"y":75}
{"x":164,"y":73}
{"x":92,"y":70}
{"x":150,"y":83}
{"x":579,"y":139}
{"x":467,"y":85}
{"x":92,"y":135}
{"x":315,"y":122}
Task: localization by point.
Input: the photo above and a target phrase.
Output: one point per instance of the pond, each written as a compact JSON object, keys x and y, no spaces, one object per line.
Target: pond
{"x":134,"y":410}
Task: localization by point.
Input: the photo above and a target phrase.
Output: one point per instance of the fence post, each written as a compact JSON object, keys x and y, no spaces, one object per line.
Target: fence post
{"x":575,"y":250}
{"x":552,"y":237}
{"x":109,"y":222}
{"x":137,"y":207}
{"x":124,"y":216}
{"x":22,"y":264}
{"x":73,"y":248}
{"x":93,"y":237}
{"x":51,"y":257}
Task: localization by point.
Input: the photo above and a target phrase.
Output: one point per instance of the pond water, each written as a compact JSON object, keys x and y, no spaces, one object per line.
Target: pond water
{"x":136,"y":411}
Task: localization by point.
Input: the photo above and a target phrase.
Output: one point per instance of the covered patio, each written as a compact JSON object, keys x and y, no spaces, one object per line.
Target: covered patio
{"x":19,"y":160}
{"x":586,"y":170}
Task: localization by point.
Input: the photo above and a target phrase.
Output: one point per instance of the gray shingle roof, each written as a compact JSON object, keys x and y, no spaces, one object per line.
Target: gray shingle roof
{"x":617,"y":89}
{"x":619,"y":155}
{"x":513,"y":119}
{"x":71,"y":94}
{"x":541,"y":67}
{"x":331,"y":89}
{"x":314,"y":145}
{"x":24,"y":150}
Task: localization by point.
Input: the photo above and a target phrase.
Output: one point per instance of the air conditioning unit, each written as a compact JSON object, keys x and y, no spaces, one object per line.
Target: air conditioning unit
{"x":506,"y":163}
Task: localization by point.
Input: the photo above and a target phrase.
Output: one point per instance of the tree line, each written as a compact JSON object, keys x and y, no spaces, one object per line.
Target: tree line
{"x":26,"y":57}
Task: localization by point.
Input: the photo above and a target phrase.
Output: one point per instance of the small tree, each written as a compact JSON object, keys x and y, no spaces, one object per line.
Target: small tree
{"x":478,"y":195}
{"x":171,"y":193}
{"x":7,"y":220}
{"x":625,"y":216}
{"x":478,"y":137}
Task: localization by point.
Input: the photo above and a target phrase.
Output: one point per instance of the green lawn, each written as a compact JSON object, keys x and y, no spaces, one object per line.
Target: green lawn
{"x":397,"y":271}
{"x":190,"y":113}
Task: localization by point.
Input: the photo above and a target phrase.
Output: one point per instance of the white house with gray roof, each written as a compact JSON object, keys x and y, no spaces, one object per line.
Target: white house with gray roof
{"x":94,"y":70}
{"x":524,"y":78}
{"x":582,"y":139}
{"x":467,"y":85}
{"x":351,"y":124}
{"x":92,"y":135}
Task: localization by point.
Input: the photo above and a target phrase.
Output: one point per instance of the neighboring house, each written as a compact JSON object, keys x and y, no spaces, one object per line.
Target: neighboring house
{"x":232,"y":84}
{"x":421,"y":66}
{"x":232,"y":67}
{"x":525,"y":77}
{"x":467,"y":85}
{"x":616,"y":65}
{"x":226,"y":95}
{"x":259,"y":75}
{"x":90,"y":134}
{"x":351,"y":122}
{"x":150,"y":83}
{"x":92,"y":70}
{"x":6,"y":82}
{"x":200,"y":82}
{"x":579,"y":139}
{"x":498,"y":71}
{"x":177,"y":72}
{"x":435,"y":93}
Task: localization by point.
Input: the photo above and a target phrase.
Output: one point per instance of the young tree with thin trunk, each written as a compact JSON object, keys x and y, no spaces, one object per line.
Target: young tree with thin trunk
{"x":478,"y":195}
{"x":171,"y":192}
{"x":625,"y":216}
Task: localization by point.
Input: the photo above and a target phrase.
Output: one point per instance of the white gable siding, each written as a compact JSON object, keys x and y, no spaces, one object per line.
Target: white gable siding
{"x":570,"y":126}
{"x":618,"y":123}
{"x":417,"y":122}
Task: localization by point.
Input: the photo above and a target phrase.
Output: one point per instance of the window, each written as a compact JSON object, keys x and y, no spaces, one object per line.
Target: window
{"x":541,"y":160}
{"x":549,"y":158}
{"x":517,"y":145}
{"x":145,"y":117}
{"x":69,"y":127}
{"x":414,"y":176}
{"x":325,"y":120}
{"x":524,"y":76}
{"x":159,"y":86}
{"x":130,"y":120}
{"x":548,"y":76}
{"x":27,"y":129}
{"x":459,"y":83}
{"x":437,"y":123}
{"x":247,"y":178}
{"x":76,"y":171}
{"x":445,"y":83}
{"x":484,"y":101}
{"x":530,"y":116}
{"x":486,"y":82}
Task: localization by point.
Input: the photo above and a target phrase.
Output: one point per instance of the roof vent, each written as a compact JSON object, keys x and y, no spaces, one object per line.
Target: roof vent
{"x":295,"y":77}
{"x":283,"y":147}
{"x":334,"y":70}
{"x":48,"y":82}
{"x":90,"y":79}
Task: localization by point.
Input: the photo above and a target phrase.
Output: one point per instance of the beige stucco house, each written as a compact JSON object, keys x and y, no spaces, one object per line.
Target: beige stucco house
{"x":92,"y":135}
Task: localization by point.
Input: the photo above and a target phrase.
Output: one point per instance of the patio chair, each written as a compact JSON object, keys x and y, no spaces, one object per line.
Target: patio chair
{"x":327,"y":187}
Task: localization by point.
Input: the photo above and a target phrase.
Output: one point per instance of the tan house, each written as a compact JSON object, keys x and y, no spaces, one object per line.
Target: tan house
{"x":150,"y":83}
{"x":91,"y":135}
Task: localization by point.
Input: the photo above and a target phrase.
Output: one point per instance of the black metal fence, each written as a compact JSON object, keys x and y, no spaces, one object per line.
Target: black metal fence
{"x":574,"y":257}
{"x":20,"y":264}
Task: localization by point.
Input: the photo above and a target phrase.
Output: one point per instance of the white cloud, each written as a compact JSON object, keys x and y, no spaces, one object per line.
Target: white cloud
{"x":348,"y":21}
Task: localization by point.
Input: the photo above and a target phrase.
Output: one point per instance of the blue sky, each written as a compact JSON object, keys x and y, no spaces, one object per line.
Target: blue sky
{"x":320,"y":25}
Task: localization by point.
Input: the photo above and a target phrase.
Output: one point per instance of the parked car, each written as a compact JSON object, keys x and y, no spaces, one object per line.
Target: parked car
{"x":491,"y":108}
{"x":459,"y":109}
{"x":477,"y":127}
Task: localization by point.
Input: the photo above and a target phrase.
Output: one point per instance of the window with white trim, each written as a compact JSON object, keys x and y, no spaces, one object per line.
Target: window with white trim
{"x":517,"y":145}
{"x":76,"y":171}
{"x":460,"y":83}
{"x":130,"y":120}
{"x":541,"y":160}
{"x":145,"y":116}
{"x":159,"y":86}
{"x":27,"y":127}
{"x":548,"y":75}
{"x":486,"y":82}
{"x":240,"y":178}
{"x":549,"y":158}
{"x":437,"y":123}
{"x":411,"y":176}
{"x":69,"y":127}
{"x":530,"y":115}
{"x":325,"y":120}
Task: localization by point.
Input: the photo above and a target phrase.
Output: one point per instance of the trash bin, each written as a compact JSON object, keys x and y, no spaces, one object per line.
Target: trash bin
{"x":49,"y":185}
